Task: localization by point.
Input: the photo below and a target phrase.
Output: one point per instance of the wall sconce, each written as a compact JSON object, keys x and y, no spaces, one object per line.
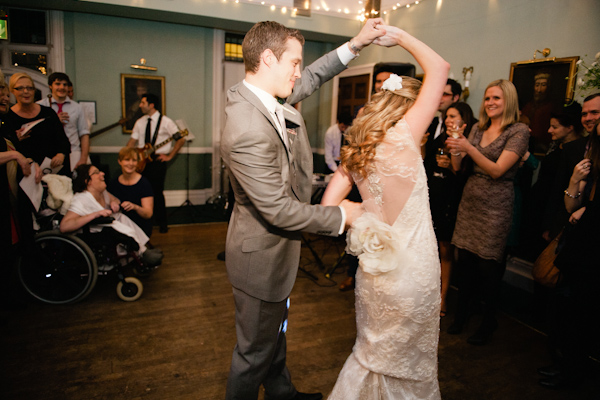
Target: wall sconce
{"x":142,"y":65}
{"x":467,"y":72}
{"x":545,"y":52}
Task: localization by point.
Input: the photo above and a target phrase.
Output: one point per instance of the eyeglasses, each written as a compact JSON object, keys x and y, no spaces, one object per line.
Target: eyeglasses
{"x":446,"y":94}
{"x":23,"y":88}
{"x":94,"y":173}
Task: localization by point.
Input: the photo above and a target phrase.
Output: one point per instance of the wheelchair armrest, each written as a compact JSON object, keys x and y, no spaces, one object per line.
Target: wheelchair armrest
{"x":101,"y":220}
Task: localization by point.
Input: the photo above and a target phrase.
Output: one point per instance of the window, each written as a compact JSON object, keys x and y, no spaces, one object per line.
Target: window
{"x":28,"y":43}
{"x":27,"y":26}
{"x":233,"y":47}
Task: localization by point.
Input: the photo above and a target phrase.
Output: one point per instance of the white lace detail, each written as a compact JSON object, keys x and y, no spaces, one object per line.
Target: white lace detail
{"x":398,"y":296}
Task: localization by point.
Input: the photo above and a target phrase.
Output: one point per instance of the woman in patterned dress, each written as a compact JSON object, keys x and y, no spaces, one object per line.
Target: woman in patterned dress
{"x":495,"y":145}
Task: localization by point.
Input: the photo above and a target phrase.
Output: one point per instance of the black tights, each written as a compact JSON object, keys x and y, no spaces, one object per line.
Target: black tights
{"x":479,"y":279}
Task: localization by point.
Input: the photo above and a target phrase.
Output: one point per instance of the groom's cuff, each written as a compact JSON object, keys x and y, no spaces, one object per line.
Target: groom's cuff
{"x":345,"y":54}
{"x":343,"y":220}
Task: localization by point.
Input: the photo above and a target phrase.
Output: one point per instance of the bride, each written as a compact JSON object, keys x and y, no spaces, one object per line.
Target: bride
{"x":398,"y":282}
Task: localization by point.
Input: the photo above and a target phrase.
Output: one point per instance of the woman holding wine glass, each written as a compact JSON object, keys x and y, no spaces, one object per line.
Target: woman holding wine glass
{"x":445,"y":188}
{"x":495,"y":145}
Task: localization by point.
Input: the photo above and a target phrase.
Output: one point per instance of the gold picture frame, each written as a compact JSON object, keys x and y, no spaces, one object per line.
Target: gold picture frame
{"x":132,"y":88}
{"x":563,"y":72}
{"x":544,"y":87}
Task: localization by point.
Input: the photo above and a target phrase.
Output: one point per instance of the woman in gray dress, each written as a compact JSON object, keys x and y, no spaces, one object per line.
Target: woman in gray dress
{"x":495,"y":146}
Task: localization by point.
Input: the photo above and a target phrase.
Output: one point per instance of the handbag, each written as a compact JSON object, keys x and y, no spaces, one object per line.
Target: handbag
{"x":544,"y":271}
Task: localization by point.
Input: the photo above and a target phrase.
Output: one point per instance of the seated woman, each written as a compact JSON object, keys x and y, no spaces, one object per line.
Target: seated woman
{"x":91,"y":201}
{"x":134,"y":191}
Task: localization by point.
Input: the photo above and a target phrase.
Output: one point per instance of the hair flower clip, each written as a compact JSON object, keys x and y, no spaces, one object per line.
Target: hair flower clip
{"x":394,"y":82}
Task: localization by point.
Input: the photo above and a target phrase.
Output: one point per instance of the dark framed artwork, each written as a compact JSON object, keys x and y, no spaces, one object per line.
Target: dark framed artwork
{"x":544,"y":86}
{"x":133,"y":87}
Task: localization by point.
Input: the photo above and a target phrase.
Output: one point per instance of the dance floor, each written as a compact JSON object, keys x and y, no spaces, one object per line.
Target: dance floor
{"x":175,"y":342}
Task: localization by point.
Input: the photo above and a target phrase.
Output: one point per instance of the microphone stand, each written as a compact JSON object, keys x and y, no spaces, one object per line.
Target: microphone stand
{"x":187,"y":202}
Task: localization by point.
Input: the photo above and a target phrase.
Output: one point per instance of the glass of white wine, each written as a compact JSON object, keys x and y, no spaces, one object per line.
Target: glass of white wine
{"x":454,"y":132}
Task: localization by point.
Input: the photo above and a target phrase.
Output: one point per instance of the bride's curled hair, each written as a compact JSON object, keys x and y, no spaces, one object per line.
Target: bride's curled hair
{"x":383,"y":111}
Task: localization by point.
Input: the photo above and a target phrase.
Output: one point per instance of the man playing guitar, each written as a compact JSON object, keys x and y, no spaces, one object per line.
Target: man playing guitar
{"x":155,"y":128}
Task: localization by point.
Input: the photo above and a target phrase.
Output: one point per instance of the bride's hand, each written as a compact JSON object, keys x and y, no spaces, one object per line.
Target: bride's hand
{"x":391,"y":37}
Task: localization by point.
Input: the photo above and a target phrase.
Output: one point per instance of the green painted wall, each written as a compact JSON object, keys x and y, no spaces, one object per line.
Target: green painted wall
{"x":490,"y":35}
{"x":99,"y":49}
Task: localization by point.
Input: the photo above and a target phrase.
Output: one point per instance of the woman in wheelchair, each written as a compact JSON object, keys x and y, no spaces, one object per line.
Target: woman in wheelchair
{"x":91,"y":201}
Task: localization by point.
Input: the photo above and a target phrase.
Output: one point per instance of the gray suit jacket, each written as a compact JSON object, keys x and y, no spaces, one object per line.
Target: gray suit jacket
{"x":272,"y":188}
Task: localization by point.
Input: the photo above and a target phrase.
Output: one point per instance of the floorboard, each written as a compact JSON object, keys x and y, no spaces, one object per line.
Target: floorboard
{"x":175,"y":342}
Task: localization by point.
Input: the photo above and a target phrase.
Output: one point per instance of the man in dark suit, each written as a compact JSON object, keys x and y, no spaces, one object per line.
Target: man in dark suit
{"x":267,"y":152}
{"x":436,"y":136}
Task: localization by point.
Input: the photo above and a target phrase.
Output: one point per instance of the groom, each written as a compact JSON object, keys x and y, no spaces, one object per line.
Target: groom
{"x":267,"y":152}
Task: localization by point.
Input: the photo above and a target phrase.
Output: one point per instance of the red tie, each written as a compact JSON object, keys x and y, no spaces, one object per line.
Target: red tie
{"x":60,"y":106}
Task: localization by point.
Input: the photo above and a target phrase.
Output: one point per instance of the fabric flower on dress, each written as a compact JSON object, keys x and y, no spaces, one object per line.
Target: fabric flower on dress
{"x":394,"y":82}
{"x":377,"y":244}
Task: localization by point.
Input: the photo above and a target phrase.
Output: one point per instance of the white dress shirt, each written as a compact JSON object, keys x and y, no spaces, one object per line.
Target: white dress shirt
{"x":167,"y":129}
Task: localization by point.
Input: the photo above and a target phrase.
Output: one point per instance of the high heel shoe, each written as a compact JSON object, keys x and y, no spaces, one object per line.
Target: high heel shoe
{"x":348,"y":284}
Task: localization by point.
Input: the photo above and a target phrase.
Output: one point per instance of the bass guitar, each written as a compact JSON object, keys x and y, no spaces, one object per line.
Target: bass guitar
{"x":145,"y":153}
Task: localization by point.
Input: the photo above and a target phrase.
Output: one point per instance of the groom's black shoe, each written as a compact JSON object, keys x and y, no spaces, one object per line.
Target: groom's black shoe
{"x":308,"y":396}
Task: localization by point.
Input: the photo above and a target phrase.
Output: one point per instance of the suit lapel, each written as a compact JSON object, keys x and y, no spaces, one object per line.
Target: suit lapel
{"x":293,"y":121}
{"x":255,"y":101}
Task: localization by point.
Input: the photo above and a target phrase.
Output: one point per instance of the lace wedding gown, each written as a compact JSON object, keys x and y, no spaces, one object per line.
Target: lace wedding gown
{"x":398,"y":282}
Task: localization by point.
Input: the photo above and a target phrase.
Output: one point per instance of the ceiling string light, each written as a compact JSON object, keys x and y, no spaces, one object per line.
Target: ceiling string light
{"x":361,"y":14}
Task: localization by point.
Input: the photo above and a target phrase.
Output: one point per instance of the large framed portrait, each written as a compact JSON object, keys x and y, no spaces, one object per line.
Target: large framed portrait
{"x":133,"y":87}
{"x":543,"y":86}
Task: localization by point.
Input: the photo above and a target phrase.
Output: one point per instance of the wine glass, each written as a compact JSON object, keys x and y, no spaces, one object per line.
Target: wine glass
{"x":454,"y":132}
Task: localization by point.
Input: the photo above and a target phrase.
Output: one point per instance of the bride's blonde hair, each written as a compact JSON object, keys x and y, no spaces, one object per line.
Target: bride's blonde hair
{"x":383,"y":111}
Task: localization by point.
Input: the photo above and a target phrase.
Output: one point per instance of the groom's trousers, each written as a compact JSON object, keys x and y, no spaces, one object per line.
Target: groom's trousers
{"x":260,"y":352}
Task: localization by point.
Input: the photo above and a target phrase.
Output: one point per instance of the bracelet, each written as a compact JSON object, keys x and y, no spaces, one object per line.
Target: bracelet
{"x":570,"y":195}
{"x":353,"y":47}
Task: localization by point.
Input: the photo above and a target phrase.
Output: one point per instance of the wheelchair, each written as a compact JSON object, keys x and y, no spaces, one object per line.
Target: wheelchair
{"x":63,"y":268}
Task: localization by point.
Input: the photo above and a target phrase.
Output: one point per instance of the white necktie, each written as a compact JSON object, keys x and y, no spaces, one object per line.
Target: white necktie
{"x":281,"y":121}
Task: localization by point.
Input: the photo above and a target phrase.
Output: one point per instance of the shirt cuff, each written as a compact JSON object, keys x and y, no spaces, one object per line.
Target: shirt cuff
{"x":343,"y":220}
{"x":345,"y":54}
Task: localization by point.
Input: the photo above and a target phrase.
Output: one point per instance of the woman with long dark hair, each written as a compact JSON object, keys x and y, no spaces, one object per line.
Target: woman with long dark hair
{"x":445,"y":188}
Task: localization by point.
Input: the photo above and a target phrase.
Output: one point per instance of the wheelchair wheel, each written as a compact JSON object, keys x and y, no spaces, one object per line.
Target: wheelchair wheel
{"x":61,"y":270}
{"x":130,"y":290}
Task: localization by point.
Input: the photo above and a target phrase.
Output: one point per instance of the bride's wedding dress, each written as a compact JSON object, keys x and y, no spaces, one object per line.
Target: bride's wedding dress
{"x":398,"y":282}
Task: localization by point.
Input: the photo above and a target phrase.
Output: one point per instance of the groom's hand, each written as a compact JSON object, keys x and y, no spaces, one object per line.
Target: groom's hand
{"x":369,"y":32}
{"x":353,"y":211}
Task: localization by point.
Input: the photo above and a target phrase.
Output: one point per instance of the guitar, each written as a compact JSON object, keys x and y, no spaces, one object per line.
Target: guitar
{"x":121,"y":122}
{"x":145,"y":153}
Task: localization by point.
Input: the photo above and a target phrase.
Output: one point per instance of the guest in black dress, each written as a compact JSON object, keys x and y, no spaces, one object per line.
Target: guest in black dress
{"x":134,"y":190}
{"x":578,"y":263}
{"x":445,"y":188}
{"x":35,"y":130}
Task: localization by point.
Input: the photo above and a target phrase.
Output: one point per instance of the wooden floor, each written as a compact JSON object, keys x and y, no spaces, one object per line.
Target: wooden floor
{"x":176,"y":341}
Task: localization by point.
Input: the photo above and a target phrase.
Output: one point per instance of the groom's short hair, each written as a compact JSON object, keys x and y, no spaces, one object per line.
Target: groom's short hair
{"x":266,"y":35}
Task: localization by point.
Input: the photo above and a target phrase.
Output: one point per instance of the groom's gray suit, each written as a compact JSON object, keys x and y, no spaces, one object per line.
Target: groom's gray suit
{"x":272,"y":188}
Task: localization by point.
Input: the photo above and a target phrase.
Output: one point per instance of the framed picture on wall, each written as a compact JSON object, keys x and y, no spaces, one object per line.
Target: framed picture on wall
{"x":559,"y":75}
{"x":543,"y":87}
{"x":133,"y":87}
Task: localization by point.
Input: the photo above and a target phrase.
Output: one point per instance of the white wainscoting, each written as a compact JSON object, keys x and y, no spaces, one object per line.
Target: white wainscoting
{"x":175,"y":198}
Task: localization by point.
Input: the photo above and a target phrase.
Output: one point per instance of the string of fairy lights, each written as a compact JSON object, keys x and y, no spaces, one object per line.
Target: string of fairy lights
{"x":361,"y":14}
